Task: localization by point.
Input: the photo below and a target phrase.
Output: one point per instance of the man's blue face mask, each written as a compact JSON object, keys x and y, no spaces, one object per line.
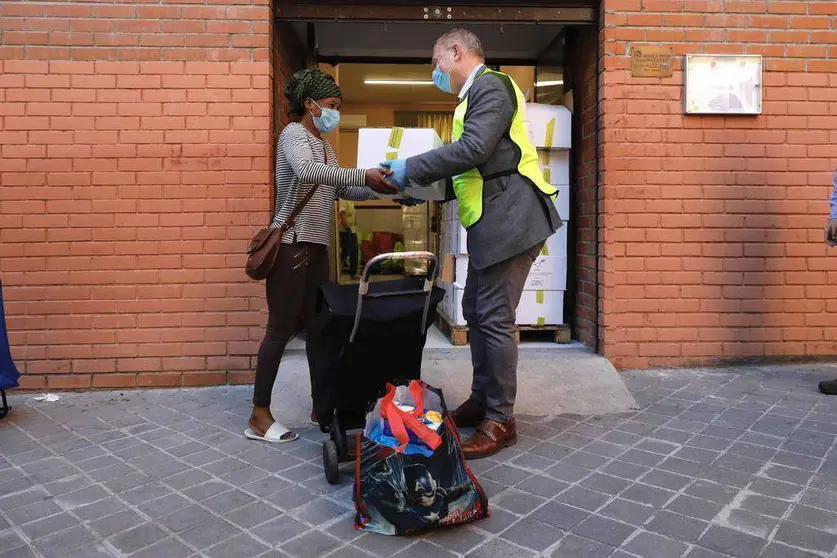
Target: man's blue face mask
{"x":328,"y":120}
{"x":442,"y":79}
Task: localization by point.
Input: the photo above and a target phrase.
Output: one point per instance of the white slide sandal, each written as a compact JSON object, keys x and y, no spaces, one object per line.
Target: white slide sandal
{"x":273,"y":435}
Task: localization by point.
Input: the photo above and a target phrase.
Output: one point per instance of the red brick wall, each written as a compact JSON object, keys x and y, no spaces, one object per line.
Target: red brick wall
{"x":135,"y":164}
{"x":713,"y":226}
{"x":581,"y":44}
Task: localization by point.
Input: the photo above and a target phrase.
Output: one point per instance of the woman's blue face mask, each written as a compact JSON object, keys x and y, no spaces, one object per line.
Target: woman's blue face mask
{"x":328,"y":120}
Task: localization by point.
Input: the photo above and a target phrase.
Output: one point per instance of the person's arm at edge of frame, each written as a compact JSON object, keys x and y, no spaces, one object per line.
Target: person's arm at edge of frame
{"x":831,"y":228}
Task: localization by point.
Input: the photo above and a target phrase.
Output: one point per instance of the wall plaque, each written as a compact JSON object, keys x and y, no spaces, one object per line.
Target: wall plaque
{"x":651,"y":61}
{"x":723,"y":84}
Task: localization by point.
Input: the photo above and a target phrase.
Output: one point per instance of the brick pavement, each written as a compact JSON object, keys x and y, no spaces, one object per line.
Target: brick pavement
{"x":729,"y":462}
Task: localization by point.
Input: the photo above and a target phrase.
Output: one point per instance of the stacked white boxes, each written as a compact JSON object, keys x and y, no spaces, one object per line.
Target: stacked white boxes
{"x":542,"y":302}
{"x":375,"y":145}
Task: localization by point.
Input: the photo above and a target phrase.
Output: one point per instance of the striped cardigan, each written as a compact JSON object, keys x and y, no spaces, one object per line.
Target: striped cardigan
{"x":300,"y":158}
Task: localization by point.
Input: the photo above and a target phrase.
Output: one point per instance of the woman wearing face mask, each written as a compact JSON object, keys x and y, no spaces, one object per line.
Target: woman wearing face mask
{"x":303,"y":158}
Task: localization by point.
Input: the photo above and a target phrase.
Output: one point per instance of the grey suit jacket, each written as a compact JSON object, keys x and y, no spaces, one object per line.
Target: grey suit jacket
{"x":516,"y":215}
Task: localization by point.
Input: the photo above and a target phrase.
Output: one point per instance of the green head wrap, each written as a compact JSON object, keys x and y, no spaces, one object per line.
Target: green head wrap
{"x":310,"y":83}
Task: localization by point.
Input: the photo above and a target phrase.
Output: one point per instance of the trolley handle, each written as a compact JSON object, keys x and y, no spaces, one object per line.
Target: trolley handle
{"x":427,"y":287}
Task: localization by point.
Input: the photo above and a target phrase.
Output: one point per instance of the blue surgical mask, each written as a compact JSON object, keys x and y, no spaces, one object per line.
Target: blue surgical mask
{"x":442,"y":79}
{"x":328,"y":120}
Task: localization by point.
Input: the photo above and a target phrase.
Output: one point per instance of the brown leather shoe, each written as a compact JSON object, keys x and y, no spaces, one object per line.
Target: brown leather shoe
{"x":491,"y":437}
{"x":468,"y":415}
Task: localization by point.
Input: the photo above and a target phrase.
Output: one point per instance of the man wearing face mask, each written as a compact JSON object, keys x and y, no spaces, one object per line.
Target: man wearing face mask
{"x":507,"y":208}
{"x":304,"y":160}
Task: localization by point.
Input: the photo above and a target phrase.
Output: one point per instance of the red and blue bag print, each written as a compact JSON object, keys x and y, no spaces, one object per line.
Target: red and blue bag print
{"x":410,"y":473}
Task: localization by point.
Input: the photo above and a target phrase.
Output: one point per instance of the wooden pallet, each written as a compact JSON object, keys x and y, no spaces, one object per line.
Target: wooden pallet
{"x":458,"y":334}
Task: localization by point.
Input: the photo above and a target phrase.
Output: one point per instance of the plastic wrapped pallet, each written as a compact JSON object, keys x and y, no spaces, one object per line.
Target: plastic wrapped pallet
{"x":414,"y":228}
{"x":550,"y":126}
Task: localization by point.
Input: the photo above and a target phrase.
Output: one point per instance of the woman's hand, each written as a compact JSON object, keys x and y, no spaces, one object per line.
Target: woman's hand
{"x":376,"y":179}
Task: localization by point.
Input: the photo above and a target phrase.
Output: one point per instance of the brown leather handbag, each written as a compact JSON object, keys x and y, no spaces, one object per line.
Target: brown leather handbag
{"x":264,"y":248}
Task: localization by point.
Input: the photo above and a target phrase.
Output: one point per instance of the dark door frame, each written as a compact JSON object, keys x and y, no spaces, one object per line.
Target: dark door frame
{"x":571,"y":12}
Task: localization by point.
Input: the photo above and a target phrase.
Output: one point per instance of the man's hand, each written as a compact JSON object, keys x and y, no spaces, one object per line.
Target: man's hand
{"x":398,"y":172}
{"x":831,"y":232}
{"x":376,"y":179}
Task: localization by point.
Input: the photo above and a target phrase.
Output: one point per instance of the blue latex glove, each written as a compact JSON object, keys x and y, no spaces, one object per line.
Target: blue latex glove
{"x":399,"y":172}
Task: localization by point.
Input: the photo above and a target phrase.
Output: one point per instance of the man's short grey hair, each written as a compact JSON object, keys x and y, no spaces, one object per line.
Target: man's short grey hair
{"x":464,"y":38}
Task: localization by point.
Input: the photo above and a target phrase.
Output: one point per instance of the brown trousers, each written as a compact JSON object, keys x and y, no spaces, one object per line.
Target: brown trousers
{"x":292,"y":287}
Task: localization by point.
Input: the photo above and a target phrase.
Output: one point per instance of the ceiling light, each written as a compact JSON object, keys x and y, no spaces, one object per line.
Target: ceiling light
{"x":396,"y":82}
{"x":549,"y":83}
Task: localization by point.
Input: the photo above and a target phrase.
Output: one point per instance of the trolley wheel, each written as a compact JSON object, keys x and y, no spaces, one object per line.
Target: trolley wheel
{"x":338,"y":435}
{"x":331,"y":462}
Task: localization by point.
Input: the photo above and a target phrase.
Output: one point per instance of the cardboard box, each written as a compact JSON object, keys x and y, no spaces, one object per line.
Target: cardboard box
{"x":547,"y":273}
{"x":537,"y":307}
{"x":453,"y":238}
{"x":375,"y":145}
{"x":450,"y":211}
{"x":550,"y":126}
{"x":562,"y":202}
{"x":451,"y":304}
{"x":541,"y":307}
{"x":555,"y":165}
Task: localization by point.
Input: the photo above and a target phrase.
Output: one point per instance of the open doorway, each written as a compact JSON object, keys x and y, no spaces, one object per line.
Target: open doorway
{"x":380,"y":57}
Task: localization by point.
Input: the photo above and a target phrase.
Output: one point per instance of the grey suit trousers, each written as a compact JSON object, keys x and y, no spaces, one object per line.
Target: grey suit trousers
{"x":489,"y":304}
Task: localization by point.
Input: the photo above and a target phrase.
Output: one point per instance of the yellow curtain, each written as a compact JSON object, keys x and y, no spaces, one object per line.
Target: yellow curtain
{"x":442,"y":122}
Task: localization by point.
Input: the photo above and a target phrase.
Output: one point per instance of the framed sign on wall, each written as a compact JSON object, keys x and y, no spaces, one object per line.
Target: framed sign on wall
{"x":723,"y":84}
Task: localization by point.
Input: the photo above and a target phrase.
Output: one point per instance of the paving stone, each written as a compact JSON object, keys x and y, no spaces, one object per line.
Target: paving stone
{"x":804,"y":462}
{"x":682,"y":467}
{"x":499,"y":548}
{"x":649,"y":495}
{"x":543,"y":486}
{"x":774,"y":488}
{"x":161,"y":507}
{"x":459,"y":540}
{"x":499,"y":520}
{"x":651,"y":545}
{"x":228,"y":501}
{"x":168,"y":548}
{"x":585,"y":460}
{"x":732,"y":542}
{"x":117,"y":523}
{"x":100,"y":509}
{"x":624,"y":470}
{"x":321,"y":511}
{"x":48,"y":525}
{"x":209,"y":533}
{"x":65,"y":542}
{"x":518,"y":502}
{"x":559,"y":515}
{"x":311,"y":545}
{"x":279,"y":529}
{"x":186,"y":518}
{"x":779,"y":550}
{"x":242,"y":546}
{"x":806,"y":538}
{"x":207,"y":490}
{"x":747,"y":521}
{"x":764,"y":505}
{"x":573,"y":546}
{"x":711,"y":491}
{"x":567,"y":473}
{"x":604,"y":530}
{"x":627,"y":512}
{"x":506,"y":475}
{"x":421,"y":549}
{"x":291,"y":497}
{"x":532,"y":534}
{"x":695,"y":507}
{"x":677,"y":527}
{"x":33,"y":512}
{"x":583,"y":498}
{"x":137,"y":538}
{"x":665,"y":479}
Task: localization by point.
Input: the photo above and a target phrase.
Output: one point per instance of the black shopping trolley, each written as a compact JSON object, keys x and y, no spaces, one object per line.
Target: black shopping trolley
{"x":370,"y":334}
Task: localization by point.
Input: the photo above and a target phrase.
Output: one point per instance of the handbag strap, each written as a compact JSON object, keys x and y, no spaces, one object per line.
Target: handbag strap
{"x":291,"y":220}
